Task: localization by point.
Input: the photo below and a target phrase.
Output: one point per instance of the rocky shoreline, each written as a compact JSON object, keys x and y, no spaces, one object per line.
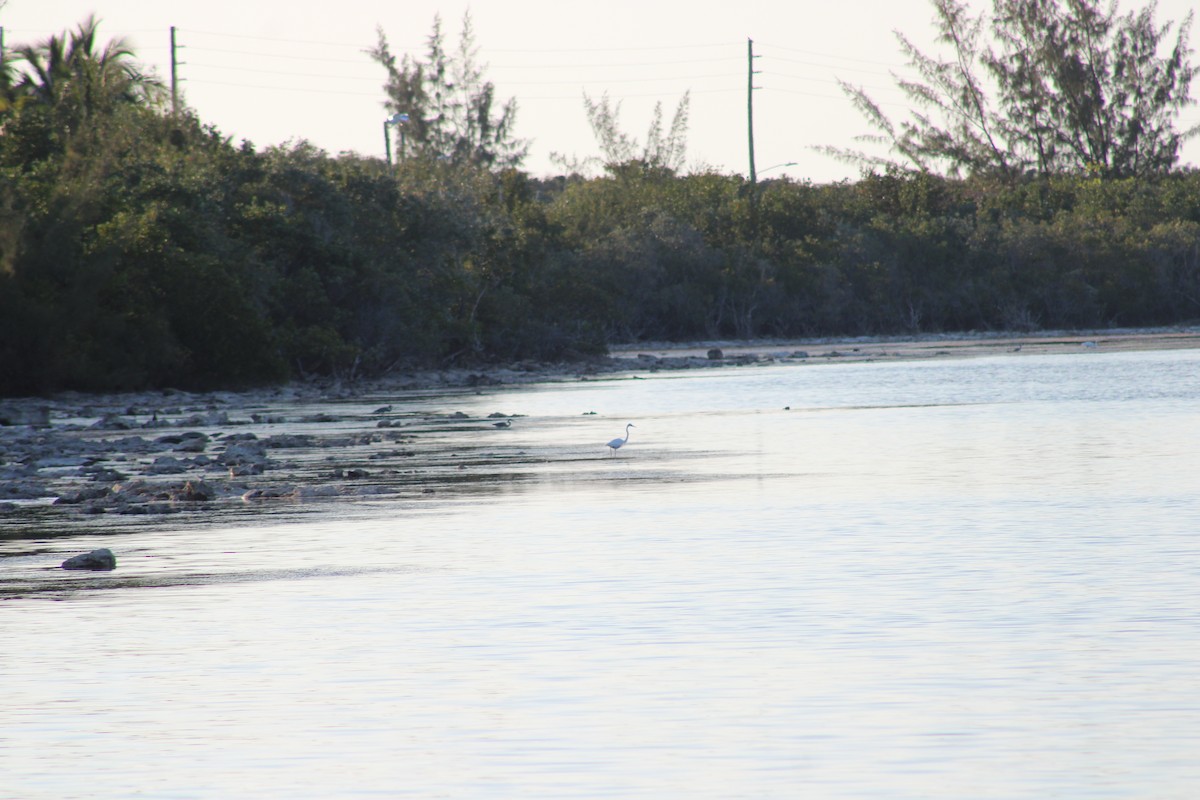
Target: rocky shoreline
{"x":169,"y":452}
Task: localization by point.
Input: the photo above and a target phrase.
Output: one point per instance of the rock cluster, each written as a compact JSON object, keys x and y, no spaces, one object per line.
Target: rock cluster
{"x":133,"y":455}
{"x":139,"y":458}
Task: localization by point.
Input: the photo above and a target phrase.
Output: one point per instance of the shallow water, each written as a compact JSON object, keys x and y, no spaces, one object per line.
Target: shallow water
{"x":970,"y":578}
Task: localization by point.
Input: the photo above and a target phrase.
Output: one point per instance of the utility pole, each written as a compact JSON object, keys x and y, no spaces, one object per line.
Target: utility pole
{"x":750,"y":73}
{"x":750,"y":87}
{"x":174,"y":76}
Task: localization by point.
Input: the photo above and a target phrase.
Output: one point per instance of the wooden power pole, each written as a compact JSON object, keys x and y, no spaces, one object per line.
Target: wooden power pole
{"x":750,"y":73}
{"x":750,"y":87}
{"x":174,"y":76}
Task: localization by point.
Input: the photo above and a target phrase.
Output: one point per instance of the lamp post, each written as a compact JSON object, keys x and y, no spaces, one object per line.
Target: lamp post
{"x":777,"y":166}
{"x":398,"y":120}
{"x":754,"y":196}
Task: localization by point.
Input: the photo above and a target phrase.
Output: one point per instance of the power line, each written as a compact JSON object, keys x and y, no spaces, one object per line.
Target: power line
{"x":606,"y":65}
{"x":827,"y":66}
{"x":377,"y":78}
{"x":58,"y":32}
{"x":772,"y":90}
{"x":241,"y":85}
{"x":666,"y":78}
{"x":613,"y":49}
{"x":490,"y":50}
{"x":609,"y":64}
{"x":523,"y":98}
{"x":633,"y":95}
{"x":259,"y":54}
{"x":833,"y":56}
{"x":807,"y":79}
{"x":291,"y":73}
{"x":268,"y":38}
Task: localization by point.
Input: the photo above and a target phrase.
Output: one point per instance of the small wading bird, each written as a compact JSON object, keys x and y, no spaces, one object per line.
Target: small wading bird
{"x":616,"y":444}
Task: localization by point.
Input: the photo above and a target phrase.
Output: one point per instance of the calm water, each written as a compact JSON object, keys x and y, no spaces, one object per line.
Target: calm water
{"x":963,"y":579}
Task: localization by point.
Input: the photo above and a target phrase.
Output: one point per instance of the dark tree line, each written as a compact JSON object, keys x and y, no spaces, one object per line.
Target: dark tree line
{"x":143,"y":249}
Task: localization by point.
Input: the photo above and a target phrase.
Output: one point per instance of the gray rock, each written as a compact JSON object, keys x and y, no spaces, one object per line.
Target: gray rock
{"x":245,"y":452}
{"x":212,"y":418}
{"x":23,"y":490}
{"x":289,"y":440}
{"x":17,"y":471}
{"x":192,"y":444}
{"x":16,"y":414}
{"x":106,"y":475}
{"x":113,"y":422}
{"x":194,"y":492}
{"x":129,"y":444}
{"x":61,"y":461}
{"x":102,"y":559}
{"x":167,"y":465}
{"x":83,"y":496}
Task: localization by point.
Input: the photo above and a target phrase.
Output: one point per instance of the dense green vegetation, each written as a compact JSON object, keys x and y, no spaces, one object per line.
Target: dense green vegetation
{"x":141,"y":248}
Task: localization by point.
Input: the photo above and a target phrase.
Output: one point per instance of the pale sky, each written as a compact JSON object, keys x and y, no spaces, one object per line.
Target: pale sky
{"x":272,"y":71}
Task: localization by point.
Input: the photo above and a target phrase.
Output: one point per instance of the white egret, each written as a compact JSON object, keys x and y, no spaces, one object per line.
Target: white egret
{"x":616,"y":444}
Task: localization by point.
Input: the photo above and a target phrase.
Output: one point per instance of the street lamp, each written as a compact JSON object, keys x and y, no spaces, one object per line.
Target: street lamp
{"x":777,"y":166}
{"x":398,"y":120}
{"x":754,"y":195}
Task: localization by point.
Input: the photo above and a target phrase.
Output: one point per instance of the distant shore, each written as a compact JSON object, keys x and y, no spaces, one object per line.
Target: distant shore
{"x":933,"y":345}
{"x":653,"y":357}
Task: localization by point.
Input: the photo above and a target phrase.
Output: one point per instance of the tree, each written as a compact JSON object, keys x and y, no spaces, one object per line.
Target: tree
{"x":1042,"y":86}
{"x":662,"y":151}
{"x":450,"y":106}
{"x":68,"y":89}
{"x":71,"y":70}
